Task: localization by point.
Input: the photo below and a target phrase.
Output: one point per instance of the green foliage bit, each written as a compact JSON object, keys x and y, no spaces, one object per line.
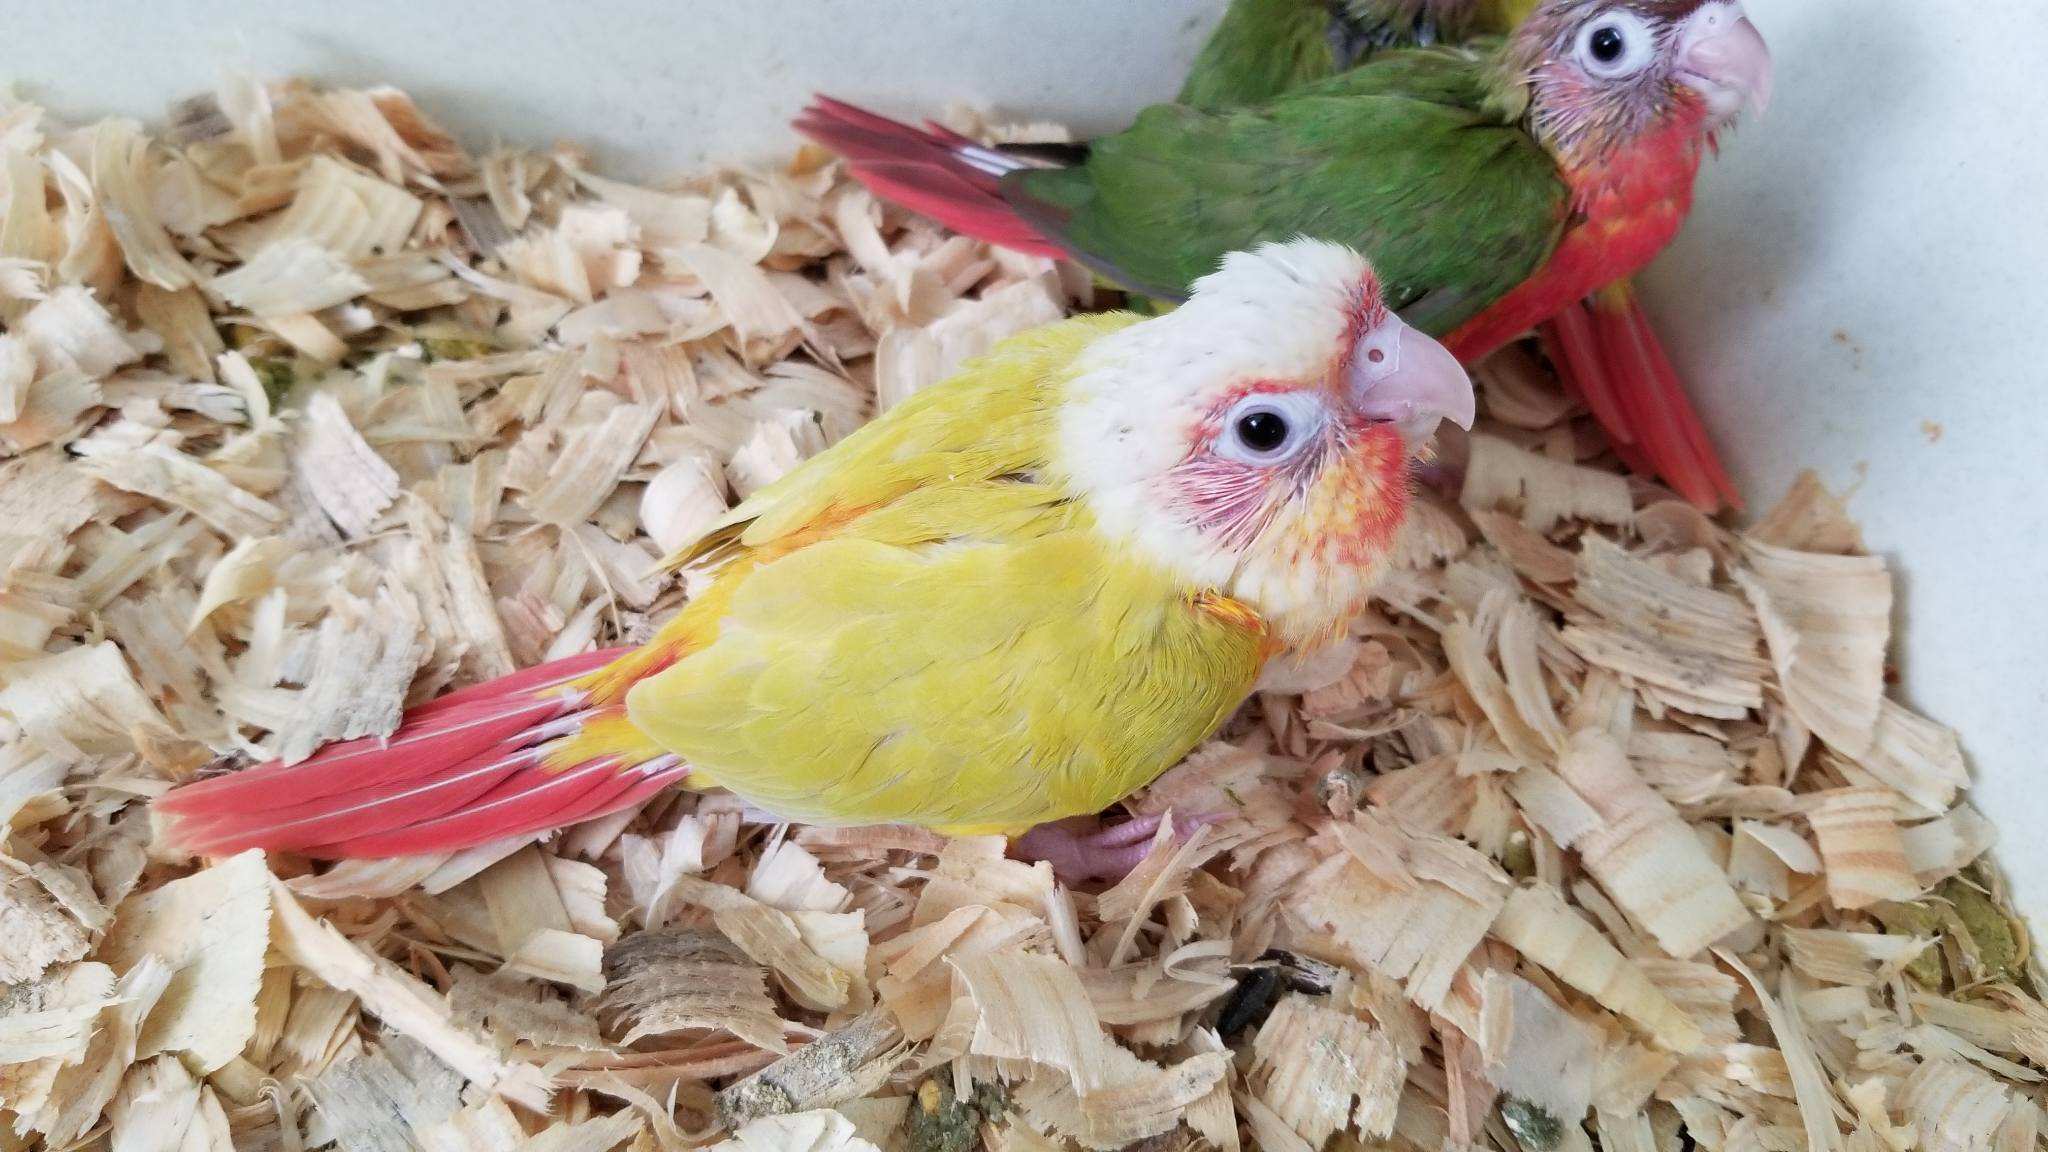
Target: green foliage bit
{"x":938,"y":1121}
{"x":1520,"y":858}
{"x":277,"y":376}
{"x":1532,"y":1124}
{"x":1994,"y":942}
{"x":435,"y":348}
{"x":1915,"y":920}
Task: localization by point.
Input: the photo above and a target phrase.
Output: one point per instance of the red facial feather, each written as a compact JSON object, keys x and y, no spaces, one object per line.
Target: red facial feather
{"x":1368,"y":311}
{"x":1345,"y":496}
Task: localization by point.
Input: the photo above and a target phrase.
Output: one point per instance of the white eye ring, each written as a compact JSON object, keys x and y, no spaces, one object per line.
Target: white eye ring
{"x":1603,"y":59}
{"x":1250,"y":435}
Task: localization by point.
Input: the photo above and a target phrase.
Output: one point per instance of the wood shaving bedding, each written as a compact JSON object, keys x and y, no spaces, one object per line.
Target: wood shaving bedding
{"x":1599,"y":831}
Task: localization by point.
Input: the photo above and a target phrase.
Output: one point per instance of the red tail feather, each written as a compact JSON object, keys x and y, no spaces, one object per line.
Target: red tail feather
{"x":1609,"y":354}
{"x":939,"y":172}
{"x":466,"y":769}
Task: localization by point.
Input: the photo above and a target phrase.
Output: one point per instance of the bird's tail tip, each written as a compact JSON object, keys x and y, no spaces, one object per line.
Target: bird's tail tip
{"x":469,"y":768}
{"x":1612,"y":358}
{"x":933,"y":171}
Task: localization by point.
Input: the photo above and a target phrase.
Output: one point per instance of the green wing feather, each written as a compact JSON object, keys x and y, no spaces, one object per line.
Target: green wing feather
{"x":1260,"y":49}
{"x":1409,"y":157}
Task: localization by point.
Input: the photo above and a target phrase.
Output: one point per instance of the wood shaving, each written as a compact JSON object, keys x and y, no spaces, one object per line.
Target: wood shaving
{"x":1312,"y":1063}
{"x":212,"y":930}
{"x":660,"y":984}
{"x":1598,"y":829}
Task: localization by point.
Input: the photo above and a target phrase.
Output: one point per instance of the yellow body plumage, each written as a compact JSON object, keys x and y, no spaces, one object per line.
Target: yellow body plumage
{"x":1016,"y":597}
{"x":923,"y":625}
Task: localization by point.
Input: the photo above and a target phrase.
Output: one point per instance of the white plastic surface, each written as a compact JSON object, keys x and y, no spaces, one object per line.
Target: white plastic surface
{"x":1862,"y":288}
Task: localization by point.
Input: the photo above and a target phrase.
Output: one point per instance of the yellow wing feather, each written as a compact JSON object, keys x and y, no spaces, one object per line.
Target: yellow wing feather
{"x":917,"y":627}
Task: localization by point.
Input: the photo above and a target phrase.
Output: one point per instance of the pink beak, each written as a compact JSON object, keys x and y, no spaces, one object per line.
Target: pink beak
{"x":1723,"y":57}
{"x":1401,"y":377}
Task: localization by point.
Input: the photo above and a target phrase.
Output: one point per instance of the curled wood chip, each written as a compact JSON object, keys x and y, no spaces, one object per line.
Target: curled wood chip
{"x":48,"y":1018}
{"x":347,"y":212}
{"x":683,"y":501}
{"x":1465,"y":647}
{"x":38,"y":932}
{"x":1810,"y":519}
{"x":1827,"y":620}
{"x":377,"y":1098}
{"x":1938,"y":849}
{"x":759,"y":315}
{"x":346,"y":477}
{"x":69,"y":329}
{"x":590,"y":462}
{"x":1543,"y":491}
{"x":1919,"y":758}
{"x":290,"y":277}
{"x":81,"y":702}
{"x":1550,"y":1055}
{"x":1312,"y":1062}
{"x":121,"y":173}
{"x":1953,"y":1107}
{"x":910,"y":359}
{"x":661,"y":983}
{"x":1643,"y":854}
{"x":212,"y":930}
{"x":1033,"y":1008}
{"x":403,"y":1003}
{"x":1697,"y":645}
{"x":68,"y":1098}
{"x":1539,"y":924}
{"x":161,"y":1106}
{"x":182,"y":482}
{"x":1855,"y":959}
{"x":1531,"y":554}
{"x":1410,"y":906}
{"x":1861,"y":849}
{"x":772,"y":938}
{"x":776,"y":446}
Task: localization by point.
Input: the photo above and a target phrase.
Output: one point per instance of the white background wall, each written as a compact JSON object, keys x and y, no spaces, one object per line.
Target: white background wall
{"x":1867,"y":267}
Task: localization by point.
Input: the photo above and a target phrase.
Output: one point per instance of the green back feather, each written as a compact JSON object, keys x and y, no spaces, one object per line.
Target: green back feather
{"x":1410,"y":158}
{"x":1263,"y":48}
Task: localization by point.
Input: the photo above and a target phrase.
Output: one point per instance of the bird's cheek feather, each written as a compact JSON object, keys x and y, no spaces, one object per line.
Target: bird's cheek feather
{"x":1229,"y":502}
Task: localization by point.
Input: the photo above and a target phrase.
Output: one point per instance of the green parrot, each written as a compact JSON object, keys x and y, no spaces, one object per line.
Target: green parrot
{"x":1499,"y":184}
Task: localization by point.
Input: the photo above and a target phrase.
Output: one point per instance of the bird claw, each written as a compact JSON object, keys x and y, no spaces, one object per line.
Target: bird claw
{"x":1082,"y":849}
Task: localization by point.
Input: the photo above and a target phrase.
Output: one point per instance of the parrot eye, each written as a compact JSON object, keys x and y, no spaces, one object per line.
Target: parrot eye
{"x":1262,"y":431}
{"x":1267,"y":429}
{"x":1618,"y":45}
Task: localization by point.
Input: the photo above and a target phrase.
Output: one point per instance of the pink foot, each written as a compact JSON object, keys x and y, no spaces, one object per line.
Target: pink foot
{"x":1082,"y":849}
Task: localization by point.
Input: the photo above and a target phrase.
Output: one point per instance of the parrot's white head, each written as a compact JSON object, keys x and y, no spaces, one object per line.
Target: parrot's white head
{"x":1258,"y":440}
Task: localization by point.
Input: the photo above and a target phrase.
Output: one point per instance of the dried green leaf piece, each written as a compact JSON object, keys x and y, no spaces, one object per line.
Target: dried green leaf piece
{"x":1914,"y":920}
{"x":1532,"y":1124}
{"x":1994,"y":948}
{"x":939,"y":1121}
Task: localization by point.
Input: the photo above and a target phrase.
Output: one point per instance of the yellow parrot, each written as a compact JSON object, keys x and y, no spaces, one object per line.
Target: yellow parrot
{"x":1010,"y":601}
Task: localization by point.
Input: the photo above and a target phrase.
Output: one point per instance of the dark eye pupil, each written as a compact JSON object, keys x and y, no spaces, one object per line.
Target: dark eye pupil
{"x":1607,"y":45}
{"x":1262,"y":431}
